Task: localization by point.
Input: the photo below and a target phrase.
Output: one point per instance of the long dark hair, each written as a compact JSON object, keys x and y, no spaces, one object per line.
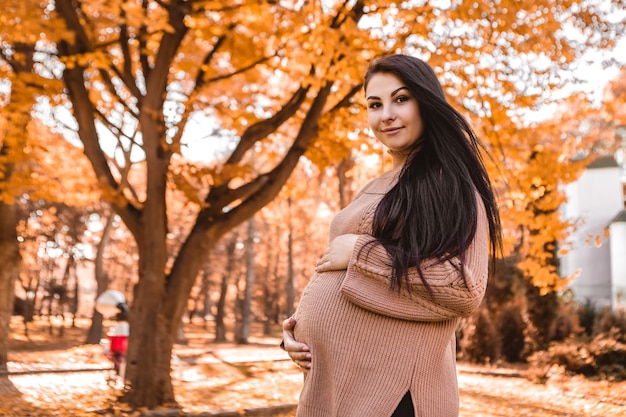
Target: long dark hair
{"x":431,"y":213}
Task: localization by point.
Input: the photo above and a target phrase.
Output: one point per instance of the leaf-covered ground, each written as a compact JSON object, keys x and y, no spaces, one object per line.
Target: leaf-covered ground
{"x":210,"y":378}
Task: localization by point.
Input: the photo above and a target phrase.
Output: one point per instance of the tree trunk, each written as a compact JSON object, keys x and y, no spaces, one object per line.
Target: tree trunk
{"x":246,"y":307}
{"x":75,"y":297}
{"x":153,"y":325}
{"x":290,"y":290}
{"x":102,"y":281}
{"x":268,"y":292}
{"x":220,"y":327}
{"x":10,"y":261}
{"x":220,"y":314}
{"x":205,"y":294}
{"x":151,"y":338}
{"x":267,"y":308}
{"x":271,"y":282}
{"x":345,"y":183}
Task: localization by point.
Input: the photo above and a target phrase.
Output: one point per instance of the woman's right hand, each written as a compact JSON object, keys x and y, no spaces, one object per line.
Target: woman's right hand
{"x":298,"y":352}
{"x":338,"y":253}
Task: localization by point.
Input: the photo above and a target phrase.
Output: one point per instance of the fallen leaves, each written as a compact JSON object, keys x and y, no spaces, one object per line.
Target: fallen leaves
{"x":213,"y":378}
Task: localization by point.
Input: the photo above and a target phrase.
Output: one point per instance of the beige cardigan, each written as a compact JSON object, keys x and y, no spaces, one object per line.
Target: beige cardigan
{"x":369,"y":345}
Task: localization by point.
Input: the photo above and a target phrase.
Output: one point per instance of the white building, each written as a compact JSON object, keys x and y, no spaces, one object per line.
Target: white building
{"x":597,"y":200}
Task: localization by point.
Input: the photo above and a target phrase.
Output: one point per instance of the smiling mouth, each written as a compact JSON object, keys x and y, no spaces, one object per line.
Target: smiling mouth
{"x":391,"y":130}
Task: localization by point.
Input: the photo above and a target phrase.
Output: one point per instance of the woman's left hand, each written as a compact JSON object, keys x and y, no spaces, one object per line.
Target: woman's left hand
{"x":298,"y":352}
{"x":338,"y":253}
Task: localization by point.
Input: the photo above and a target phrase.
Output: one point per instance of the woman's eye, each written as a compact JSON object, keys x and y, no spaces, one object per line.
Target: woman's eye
{"x":402,"y":99}
{"x":374,"y":105}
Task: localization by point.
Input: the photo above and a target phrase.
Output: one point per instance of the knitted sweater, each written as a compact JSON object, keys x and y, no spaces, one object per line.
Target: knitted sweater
{"x":371,"y":345}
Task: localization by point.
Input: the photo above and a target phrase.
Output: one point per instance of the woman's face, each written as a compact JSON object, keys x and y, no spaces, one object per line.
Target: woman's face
{"x":393,"y":113}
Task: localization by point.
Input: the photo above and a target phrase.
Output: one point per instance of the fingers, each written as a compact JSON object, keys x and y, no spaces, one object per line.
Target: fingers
{"x":302,"y":359}
{"x":290,"y":342}
{"x":323,"y":264}
{"x":305,"y":365}
{"x":338,"y":253}
{"x":298,"y":352}
{"x":289,"y":324}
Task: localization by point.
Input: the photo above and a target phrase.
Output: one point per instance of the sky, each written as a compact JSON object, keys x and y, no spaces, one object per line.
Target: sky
{"x":593,"y":72}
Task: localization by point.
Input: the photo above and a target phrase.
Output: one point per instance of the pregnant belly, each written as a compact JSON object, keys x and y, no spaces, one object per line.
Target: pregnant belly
{"x":319,"y":312}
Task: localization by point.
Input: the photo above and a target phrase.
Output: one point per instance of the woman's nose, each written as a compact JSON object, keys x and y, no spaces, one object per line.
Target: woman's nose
{"x":388,"y":115}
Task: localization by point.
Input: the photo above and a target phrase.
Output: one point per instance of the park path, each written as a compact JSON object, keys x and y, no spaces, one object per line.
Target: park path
{"x":224,"y":380}
{"x":487,"y":395}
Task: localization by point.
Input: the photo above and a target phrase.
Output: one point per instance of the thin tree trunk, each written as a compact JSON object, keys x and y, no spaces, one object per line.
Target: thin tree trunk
{"x":102,"y":281}
{"x":267,"y":294}
{"x":220,"y":314}
{"x":220,"y":326}
{"x":345,"y":192}
{"x":277,"y":276}
{"x":205,"y":294}
{"x":246,"y":310}
{"x":270,"y":285}
{"x":10,"y":261}
{"x":75,"y":296}
{"x":290,"y":290}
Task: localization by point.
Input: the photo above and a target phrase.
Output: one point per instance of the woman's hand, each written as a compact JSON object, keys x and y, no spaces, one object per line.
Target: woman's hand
{"x":298,"y":352}
{"x":338,"y":253}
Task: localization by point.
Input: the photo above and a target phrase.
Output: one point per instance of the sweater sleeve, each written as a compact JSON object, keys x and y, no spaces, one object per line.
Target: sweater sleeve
{"x":366,"y":283}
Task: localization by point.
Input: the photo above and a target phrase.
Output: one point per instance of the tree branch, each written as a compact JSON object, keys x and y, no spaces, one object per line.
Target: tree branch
{"x":263,"y":128}
{"x":156,"y":82}
{"x":240,"y":70}
{"x":200,"y":81}
{"x":143,"y":31}
{"x":267,"y":186}
{"x":126,"y":74}
{"x":84,"y":111}
{"x":346,"y":100}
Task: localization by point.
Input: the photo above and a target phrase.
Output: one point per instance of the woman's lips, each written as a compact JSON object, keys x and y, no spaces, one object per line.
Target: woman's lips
{"x":391,"y":130}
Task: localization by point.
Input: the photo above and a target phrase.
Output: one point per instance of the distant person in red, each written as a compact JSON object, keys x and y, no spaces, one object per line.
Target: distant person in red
{"x":112,"y":305}
{"x":374,"y":330}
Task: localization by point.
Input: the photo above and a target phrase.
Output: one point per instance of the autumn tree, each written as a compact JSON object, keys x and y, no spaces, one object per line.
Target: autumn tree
{"x":35,"y":186}
{"x":17,"y":67}
{"x":163,"y":61}
{"x":277,"y":79}
{"x":20,"y":170}
{"x":24,"y":162}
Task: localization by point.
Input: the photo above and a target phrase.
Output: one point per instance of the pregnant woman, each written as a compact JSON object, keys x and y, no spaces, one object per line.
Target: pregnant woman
{"x":374,"y":329}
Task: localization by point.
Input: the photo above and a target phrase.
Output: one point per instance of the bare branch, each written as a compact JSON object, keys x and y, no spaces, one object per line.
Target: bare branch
{"x":143,"y":30}
{"x":267,"y":186}
{"x":200,"y":81}
{"x":263,"y":128}
{"x":240,"y":70}
{"x":127,"y":74}
{"x":346,"y":100}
